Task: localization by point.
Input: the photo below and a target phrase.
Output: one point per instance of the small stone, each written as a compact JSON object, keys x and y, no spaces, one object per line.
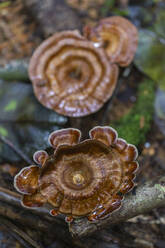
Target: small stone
{"x":149,"y":151}
{"x":147,"y":145}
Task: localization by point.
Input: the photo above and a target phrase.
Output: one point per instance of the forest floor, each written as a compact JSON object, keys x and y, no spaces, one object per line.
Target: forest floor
{"x":24,"y":24}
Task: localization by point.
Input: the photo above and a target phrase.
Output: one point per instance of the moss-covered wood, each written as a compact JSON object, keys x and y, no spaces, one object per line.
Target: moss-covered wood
{"x":134,"y":126}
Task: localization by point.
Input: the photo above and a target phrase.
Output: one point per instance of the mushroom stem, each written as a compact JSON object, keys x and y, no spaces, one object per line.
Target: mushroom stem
{"x":142,"y":200}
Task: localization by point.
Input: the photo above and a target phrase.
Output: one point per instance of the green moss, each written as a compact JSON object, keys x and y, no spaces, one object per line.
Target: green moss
{"x":121,"y":12}
{"x":134,"y":126}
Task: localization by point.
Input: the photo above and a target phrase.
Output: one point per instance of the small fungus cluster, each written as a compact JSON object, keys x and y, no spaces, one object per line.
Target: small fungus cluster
{"x":88,"y":178}
{"x":117,"y":36}
{"x":74,"y":74}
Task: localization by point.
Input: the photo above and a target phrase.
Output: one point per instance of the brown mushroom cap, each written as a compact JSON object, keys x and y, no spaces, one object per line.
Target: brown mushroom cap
{"x":71,"y":76}
{"x":118,"y":36}
{"x":84,"y":178}
{"x":81,"y":174}
{"x":40,"y":157}
{"x":26,"y":181}
{"x":69,"y":136}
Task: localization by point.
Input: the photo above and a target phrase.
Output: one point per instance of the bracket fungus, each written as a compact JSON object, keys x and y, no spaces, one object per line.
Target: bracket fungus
{"x":118,"y":36}
{"x":88,"y":178}
{"x":71,"y":76}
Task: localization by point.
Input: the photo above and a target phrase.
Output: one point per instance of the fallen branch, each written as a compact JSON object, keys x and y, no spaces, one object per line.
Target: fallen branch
{"x":15,"y":149}
{"x":19,"y":235}
{"x":15,"y":70}
{"x":142,"y":200}
{"x":16,"y":212}
{"x":37,"y":219}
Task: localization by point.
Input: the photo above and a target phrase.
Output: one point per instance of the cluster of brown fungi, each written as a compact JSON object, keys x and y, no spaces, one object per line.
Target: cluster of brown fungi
{"x":75,"y":75}
{"x":88,"y":178}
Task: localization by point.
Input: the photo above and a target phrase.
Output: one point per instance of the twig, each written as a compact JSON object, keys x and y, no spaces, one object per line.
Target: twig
{"x":13,"y":198}
{"x":15,"y":149}
{"x":20,"y":235}
{"x":143,"y":199}
{"x":10,"y":207}
{"x":37,"y":219}
{"x":15,"y":69}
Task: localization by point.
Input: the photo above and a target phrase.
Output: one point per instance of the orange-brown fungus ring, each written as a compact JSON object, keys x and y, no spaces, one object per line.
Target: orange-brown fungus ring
{"x":118,"y":36}
{"x":86,"y":178}
{"x":71,"y":76}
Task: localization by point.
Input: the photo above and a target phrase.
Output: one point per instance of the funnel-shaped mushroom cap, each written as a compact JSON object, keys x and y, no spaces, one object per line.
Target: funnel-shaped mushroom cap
{"x":118,"y":36}
{"x":81,"y":178}
{"x":70,"y":75}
